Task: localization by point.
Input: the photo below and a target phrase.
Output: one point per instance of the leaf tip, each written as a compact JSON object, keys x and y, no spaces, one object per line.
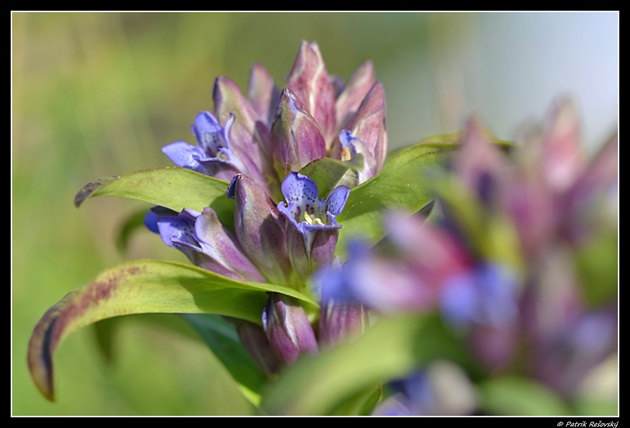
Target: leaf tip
{"x":87,"y":190}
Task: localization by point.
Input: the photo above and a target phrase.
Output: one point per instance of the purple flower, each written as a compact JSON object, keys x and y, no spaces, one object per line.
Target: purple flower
{"x":205,"y":241}
{"x":212,"y":154}
{"x":312,"y":229}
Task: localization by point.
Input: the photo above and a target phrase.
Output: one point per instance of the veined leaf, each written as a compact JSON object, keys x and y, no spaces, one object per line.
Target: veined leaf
{"x":404,"y":183}
{"x":144,"y":286}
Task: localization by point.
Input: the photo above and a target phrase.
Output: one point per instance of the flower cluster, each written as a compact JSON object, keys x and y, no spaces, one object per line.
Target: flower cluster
{"x":260,"y":143}
{"x":500,"y":261}
{"x":271,"y":132}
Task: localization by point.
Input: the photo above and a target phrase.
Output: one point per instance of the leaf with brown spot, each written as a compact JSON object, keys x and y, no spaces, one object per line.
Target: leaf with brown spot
{"x":143,"y":286}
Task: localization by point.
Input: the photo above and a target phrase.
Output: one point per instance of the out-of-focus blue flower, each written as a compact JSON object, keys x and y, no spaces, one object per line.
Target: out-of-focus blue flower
{"x":486,"y":294}
{"x":440,"y":388}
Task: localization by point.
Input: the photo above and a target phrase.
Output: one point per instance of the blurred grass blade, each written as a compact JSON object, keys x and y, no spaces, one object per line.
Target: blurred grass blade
{"x":403,"y":183}
{"x":516,"y":396}
{"x":144,"y":286}
{"x":222,"y":339}
{"x":317,"y":384}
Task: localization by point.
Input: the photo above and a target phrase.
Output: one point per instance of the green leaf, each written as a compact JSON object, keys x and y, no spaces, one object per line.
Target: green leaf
{"x":222,"y":339}
{"x":171,"y":187}
{"x":597,"y":262}
{"x":517,"y":396}
{"x":144,"y":286}
{"x":320,"y":384}
{"x":327,"y":172}
{"x":362,"y":404}
{"x":404,"y":183}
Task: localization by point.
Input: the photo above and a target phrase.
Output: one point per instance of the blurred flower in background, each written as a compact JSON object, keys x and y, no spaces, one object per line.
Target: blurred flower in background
{"x":503,"y":261}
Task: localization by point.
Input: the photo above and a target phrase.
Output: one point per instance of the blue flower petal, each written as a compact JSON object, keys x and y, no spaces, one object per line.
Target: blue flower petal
{"x":210,"y":134}
{"x":337,"y":200}
{"x":184,"y":155}
{"x":301,"y":192}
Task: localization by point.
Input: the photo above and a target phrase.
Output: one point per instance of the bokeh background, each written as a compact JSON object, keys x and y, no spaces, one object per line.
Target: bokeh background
{"x":96,"y":94}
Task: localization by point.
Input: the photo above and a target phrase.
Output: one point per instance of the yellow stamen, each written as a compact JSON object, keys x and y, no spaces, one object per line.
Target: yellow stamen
{"x":312,"y":220}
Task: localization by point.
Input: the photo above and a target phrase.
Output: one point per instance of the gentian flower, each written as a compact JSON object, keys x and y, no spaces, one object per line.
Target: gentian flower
{"x":212,"y":155}
{"x":312,"y":229}
{"x":205,"y":241}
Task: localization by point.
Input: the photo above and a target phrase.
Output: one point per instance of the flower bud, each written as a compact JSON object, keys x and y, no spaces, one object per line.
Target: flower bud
{"x":288,"y":328}
{"x":259,"y":230}
{"x":310,"y":83}
{"x":296,"y":137}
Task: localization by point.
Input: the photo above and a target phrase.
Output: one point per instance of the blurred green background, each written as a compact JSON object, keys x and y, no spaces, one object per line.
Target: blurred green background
{"x":96,"y":94}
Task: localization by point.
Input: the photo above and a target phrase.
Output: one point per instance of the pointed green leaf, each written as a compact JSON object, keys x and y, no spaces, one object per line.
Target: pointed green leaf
{"x":327,"y":172}
{"x":404,"y":183}
{"x":319,"y":384}
{"x":171,"y":187}
{"x":222,"y":339}
{"x":517,"y":396}
{"x":144,"y":286}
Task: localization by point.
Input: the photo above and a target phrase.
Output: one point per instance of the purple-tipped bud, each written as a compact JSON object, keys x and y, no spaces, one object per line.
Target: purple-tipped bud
{"x":259,"y":230}
{"x":228,"y":101}
{"x":262,"y":93}
{"x":288,"y":329}
{"x":296,"y":137}
{"x":478,"y":160}
{"x":354,"y":92}
{"x":588,"y":197}
{"x":368,"y":123}
{"x":310,"y":83}
{"x":341,"y":321}
{"x":562,"y":154}
{"x":255,"y":340}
